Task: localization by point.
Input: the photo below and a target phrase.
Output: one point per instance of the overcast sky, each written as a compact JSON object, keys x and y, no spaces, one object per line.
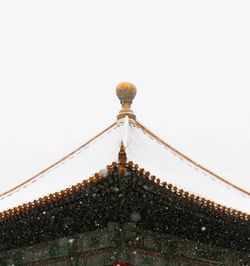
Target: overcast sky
{"x":60,"y":62}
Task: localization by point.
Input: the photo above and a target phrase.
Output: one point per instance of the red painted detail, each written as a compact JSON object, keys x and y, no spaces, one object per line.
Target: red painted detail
{"x":121,"y":264}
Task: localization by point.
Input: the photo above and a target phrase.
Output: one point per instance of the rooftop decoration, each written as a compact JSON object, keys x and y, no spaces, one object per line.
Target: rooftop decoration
{"x":126,"y":93}
{"x":104,"y":172}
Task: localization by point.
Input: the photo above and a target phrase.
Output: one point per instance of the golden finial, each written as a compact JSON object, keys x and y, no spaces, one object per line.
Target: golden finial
{"x":126,"y":93}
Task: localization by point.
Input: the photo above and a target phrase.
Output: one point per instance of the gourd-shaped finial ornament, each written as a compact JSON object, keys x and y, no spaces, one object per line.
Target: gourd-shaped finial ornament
{"x":126,"y":93}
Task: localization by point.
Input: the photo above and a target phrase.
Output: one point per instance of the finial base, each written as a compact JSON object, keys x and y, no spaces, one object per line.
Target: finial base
{"x":123,"y":114}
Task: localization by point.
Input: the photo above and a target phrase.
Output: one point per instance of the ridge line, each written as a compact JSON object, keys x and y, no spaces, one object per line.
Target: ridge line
{"x":191,"y":161}
{"x":57,"y":162}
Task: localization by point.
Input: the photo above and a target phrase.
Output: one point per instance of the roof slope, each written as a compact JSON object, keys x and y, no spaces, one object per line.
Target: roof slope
{"x":73,"y":168}
{"x":173,"y":167}
{"x":142,"y":148}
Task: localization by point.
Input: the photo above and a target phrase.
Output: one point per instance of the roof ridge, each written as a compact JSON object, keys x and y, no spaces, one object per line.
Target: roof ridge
{"x":6,"y":193}
{"x":222,"y":179}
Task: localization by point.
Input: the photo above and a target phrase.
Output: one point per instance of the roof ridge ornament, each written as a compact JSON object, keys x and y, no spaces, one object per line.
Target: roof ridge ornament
{"x":122,"y":158}
{"x":126,"y":92}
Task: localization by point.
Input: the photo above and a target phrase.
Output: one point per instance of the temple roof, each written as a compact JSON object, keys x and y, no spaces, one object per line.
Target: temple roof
{"x":143,"y":148}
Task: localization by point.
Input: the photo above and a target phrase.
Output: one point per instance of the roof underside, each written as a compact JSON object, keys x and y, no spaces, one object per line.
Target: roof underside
{"x":143,"y":148}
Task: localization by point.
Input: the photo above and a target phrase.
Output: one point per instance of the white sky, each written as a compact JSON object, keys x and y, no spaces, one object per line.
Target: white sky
{"x":61,"y":60}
